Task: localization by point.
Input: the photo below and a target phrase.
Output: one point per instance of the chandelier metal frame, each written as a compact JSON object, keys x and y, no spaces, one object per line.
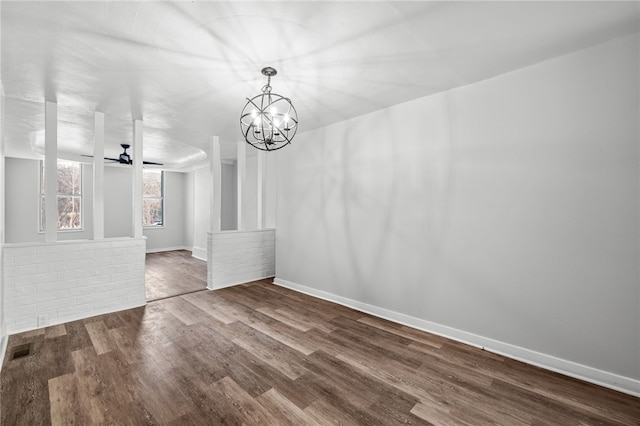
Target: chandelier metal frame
{"x":268,"y":121}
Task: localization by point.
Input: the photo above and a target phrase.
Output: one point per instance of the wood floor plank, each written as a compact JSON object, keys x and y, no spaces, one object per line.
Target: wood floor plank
{"x":229,"y":313}
{"x":367,"y":344}
{"x":173,"y":273}
{"x":529,"y":401}
{"x":184,"y":310}
{"x":436,"y":415}
{"x":403,"y":331}
{"x":293,"y":390}
{"x":262,"y":354}
{"x":330,"y":410}
{"x":286,"y":317}
{"x":292,"y":337}
{"x":106,"y":397}
{"x":63,"y":389}
{"x":282,"y":411}
{"x":322,"y":307}
{"x":24,"y":389}
{"x":54,"y":364}
{"x":156,"y":393}
{"x":55,"y":331}
{"x":78,"y":335}
{"x":272,"y":352}
{"x":99,"y":336}
{"x":396,"y":410}
{"x":238,"y":404}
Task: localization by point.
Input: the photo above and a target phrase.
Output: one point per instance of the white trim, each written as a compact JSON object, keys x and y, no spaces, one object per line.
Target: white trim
{"x":242,"y":231}
{"x":215,"y":185}
{"x":241,"y":181}
{"x":51,"y":170}
{"x":106,"y":240}
{"x":98,"y":177}
{"x":589,"y":374}
{"x":172,"y":248}
{"x":199,"y":253}
{"x":137,"y":148}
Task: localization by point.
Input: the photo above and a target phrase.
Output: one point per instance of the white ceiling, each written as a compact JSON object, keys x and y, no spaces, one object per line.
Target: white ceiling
{"x":185,"y":68}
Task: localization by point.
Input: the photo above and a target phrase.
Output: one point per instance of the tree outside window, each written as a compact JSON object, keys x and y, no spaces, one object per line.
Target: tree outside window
{"x":69,"y":196}
{"x":152,"y":198}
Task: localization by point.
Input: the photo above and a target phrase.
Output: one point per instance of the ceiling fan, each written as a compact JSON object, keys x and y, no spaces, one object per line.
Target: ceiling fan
{"x":125,"y":158}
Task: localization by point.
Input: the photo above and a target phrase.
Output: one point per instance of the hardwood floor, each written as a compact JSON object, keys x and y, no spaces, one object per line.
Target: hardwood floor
{"x":172,"y":273}
{"x":261,"y":354}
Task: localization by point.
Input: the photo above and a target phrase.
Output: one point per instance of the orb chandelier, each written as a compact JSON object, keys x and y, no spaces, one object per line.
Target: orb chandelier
{"x":268,"y":121}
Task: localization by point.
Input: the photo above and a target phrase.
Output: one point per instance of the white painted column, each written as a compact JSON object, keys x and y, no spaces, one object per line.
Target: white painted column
{"x":2,"y":180}
{"x":215,"y":176}
{"x":3,"y":328}
{"x":241,"y":169}
{"x":98,"y":175}
{"x":137,"y":178}
{"x":51,"y":170}
{"x":261,"y":175}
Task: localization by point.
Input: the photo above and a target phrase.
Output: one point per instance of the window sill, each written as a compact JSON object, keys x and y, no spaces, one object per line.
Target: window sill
{"x":63,"y":231}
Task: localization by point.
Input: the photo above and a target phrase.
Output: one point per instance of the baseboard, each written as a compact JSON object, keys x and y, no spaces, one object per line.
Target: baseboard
{"x":159,"y":250}
{"x":199,"y":253}
{"x":589,"y":374}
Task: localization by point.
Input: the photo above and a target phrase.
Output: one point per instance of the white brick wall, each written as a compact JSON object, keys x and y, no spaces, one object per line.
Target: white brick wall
{"x":235,"y":257}
{"x":70,"y":280}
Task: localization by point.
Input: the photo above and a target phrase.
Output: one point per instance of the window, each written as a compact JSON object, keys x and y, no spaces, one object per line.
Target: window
{"x":152,"y":198}
{"x":69,"y":196}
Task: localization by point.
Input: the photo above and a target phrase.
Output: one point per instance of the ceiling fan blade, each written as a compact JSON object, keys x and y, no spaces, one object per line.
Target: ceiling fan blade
{"x":117,"y":160}
{"x":106,"y":158}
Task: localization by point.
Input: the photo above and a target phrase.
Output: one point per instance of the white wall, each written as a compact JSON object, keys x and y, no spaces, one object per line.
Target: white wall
{"x":229,"y":210}
{"x":236,"y":257}
{"x":118,"y":199}
{"x":504,"y":213}
{"x":200,"y":180}
{"x":172,"y":234}
{"x":250,"y":192}
{"x":201,"y":216}
{"x":3,"y":327}
{"x":189,"y":199}
{"x":22,"y":206}
{"x":52,"y":283}
{"x":22,"y":202}
{"x":269,"y":200}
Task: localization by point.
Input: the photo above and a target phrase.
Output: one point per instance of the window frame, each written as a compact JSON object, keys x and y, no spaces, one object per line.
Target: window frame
{"x":161,"y":198}
{"x":42,"y":202}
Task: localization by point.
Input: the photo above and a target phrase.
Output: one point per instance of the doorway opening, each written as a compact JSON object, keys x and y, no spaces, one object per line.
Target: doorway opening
{"x":173,"y":273}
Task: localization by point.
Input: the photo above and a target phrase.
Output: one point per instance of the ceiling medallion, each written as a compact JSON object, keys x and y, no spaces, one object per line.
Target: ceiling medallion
{"x":268,"y":121}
